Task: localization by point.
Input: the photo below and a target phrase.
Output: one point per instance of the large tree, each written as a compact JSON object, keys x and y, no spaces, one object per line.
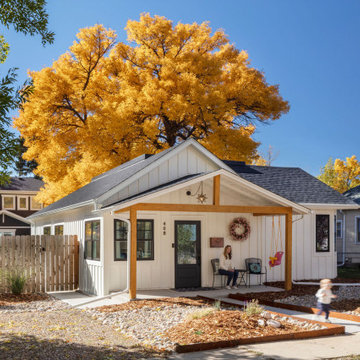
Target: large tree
{"x":30,"y":18}
{"x":341,"y":175}
{"x":104,"y":102}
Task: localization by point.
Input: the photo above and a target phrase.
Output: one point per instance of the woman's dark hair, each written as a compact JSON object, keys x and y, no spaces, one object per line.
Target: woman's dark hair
{"x":227,"y":256}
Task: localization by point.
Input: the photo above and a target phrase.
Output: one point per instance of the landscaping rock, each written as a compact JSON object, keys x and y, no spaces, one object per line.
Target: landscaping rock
{"x":273,"y":323}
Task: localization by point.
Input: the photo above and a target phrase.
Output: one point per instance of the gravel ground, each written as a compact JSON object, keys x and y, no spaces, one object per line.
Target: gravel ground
{"x":49,"y":329}
{"x":346,"y":293}
{"x":149,"y":324}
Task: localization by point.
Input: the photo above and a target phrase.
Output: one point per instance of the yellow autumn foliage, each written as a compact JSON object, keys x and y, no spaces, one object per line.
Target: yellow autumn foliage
{"x":104,"y":102}
{"x":341,"y":175}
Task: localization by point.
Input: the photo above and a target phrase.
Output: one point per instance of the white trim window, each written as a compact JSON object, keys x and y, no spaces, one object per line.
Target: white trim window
{"x":92,"y":239}
{"x":47,"y":230}
{"x":339,"y":229}
{"x":23,"y":203}
{"x":8,"y":202}
{"x":59,"y":229}
{"x":34,"y":205}
{"x":357,"y":229}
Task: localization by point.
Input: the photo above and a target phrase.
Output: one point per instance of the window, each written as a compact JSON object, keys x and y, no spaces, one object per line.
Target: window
{"x":47,"y":230}
{"x":120,"y":239}
{"x":92,"y":240}
{"x":145,"y":240}
{"x":322,"y":233}
{"x":59,"y":229}
{"x":22,"y":203}
{"x":8,"y":202}
{"x":339,"y":229}
{"x":34,"y":205}
{"x":357,"y":229}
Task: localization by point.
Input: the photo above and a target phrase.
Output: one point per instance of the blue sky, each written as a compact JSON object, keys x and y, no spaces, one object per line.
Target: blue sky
{"x":310,"y":48}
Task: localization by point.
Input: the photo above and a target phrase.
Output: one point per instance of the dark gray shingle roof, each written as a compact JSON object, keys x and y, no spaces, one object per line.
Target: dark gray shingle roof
{"x":353,"y":194}
{"x":23,"y":184}
{"x":293,"y":184}
{"x":101,"y":184}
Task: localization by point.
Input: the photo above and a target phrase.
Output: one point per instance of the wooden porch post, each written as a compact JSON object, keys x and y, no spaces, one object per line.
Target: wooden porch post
{"x":216,"y":190}
{"x":132,"y":255}
{"x":288,"y":251}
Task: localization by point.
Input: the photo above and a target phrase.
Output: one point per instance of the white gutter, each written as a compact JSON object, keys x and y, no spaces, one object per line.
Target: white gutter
{"x":126,"y":290}
{"x":71,"y":207}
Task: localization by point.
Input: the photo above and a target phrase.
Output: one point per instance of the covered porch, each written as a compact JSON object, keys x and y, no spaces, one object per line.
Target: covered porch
{"x":227,"y":196}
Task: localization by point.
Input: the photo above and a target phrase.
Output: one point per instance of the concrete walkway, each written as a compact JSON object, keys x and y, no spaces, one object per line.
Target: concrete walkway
{"x":75,"y":298}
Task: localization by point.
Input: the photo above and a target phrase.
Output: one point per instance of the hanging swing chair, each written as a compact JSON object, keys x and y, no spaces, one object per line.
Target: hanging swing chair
{"x":275,"y":241}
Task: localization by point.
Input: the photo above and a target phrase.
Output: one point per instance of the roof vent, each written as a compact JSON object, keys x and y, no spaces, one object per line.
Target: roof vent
{"x":242,"y":163}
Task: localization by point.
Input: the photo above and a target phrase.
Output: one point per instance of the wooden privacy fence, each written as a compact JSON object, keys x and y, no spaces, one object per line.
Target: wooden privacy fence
{"x":50,"y":262}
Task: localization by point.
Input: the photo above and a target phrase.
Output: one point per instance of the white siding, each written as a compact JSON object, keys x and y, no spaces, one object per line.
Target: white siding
{"x":159,"y":273}
{"x":91,"y":273}
{"x":188,"y":161}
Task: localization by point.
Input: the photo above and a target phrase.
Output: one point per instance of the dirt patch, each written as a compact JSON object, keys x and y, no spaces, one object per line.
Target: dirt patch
{"x":11,"y":299}
{"x":224,"y":326}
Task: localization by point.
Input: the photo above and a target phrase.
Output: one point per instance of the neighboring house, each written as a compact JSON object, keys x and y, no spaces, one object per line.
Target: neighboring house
{"x":17,"y":203}
{"x":154,"y":201}
{"x":348,"y":230}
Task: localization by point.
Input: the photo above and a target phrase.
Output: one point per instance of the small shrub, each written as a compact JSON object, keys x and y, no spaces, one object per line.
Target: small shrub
{"x":253,"y":308}
{"x":217,"y":305}
{"x":16,"y":280}
{"x":199,"y":314}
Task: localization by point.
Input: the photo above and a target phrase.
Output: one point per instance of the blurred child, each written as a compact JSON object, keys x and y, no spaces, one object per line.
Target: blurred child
{"x":324,"y":296}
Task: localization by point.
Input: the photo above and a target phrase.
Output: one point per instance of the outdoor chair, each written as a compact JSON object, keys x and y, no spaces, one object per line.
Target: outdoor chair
{"x":254,"y":267}
{"x":215,"y":266}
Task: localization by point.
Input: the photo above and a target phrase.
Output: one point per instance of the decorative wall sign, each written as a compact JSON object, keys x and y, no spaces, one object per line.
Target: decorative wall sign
{"x":240,"y":229}
{"x":216,"y":242}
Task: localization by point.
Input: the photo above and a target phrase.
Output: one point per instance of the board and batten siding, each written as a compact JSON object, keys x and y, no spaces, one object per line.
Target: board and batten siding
{"x":91,"y":273}
{"x":188,"y":161}
{"x":160,"y":272}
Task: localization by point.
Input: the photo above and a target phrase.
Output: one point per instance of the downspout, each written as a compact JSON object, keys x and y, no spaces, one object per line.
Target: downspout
{"x":343,"y":238}
{"x":126,"y":290}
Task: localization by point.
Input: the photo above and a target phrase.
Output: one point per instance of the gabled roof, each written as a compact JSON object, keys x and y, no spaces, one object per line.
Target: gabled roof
{"x":353,"y":194}
{"x":109,"y":181}
{"x":23,"y":184}
{"x":293,"y":184}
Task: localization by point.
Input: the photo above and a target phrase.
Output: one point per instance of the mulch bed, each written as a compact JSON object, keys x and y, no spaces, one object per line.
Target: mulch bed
{"x":11,"y":299}
{"x":224,"y":325}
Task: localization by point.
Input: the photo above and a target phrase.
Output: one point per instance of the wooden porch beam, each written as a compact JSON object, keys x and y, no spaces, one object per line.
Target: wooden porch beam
{"x":132,"y":255}
{"x":265,"y":210}
{"x":261,"y":214}
{"x":216,"y":190}
{"x":288,"y":251}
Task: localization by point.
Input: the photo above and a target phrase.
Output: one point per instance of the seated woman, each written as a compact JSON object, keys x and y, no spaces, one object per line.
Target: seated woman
{"x":226,"y":267}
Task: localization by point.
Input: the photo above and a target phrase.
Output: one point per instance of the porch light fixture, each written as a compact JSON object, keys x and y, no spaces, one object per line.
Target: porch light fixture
{"x":200,"y":196}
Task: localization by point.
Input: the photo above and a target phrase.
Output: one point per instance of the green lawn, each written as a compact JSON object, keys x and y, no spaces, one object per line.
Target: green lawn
{"x":349,"y":272}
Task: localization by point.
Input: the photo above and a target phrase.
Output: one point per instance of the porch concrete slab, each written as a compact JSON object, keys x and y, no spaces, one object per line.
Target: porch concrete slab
{"x":318,"y":348}
{"x":74,"y":298}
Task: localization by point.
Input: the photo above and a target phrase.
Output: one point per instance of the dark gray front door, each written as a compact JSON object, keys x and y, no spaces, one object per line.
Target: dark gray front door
{"x":187,"y":254}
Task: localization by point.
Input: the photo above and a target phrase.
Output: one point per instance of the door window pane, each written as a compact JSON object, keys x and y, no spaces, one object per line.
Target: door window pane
{"x":186,"y":243}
